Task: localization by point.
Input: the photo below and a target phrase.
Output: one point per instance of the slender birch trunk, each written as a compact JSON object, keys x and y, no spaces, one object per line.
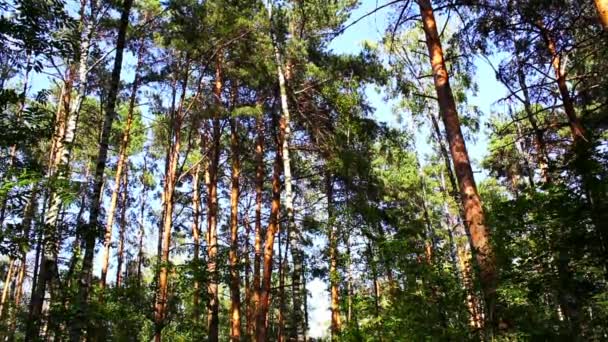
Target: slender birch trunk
{"x":297,"y":331}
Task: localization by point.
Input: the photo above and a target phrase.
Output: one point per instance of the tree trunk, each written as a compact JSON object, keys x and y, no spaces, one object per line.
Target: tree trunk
{"x":212,"y":211}
{"x":474,"y":214}
{"x":577,"y":130}
{"x":91,"y":233}
{"x":123,"y":227}
{"x":297,"y":331}
{"x":196,"y":212}
{"x":142,"y":214}
{"x":334,"y":276}
{"x":273,"y":225}
{"x":61,"y":166}
{"x":602,"y":12}
{"x":235,"y":288}
{"x":259,"y":187}
{"x":122,"y":161}
{"x":168,"y":205}
{"x":7,"y":285}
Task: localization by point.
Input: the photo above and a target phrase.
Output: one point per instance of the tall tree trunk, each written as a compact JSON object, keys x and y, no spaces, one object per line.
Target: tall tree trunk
{"x":576,"y":128}
{"x":334,"y":276}
{"x":196,"y":212}
{"x":249,"y":315}
{"x":235,"y":289}
{"x":212,"y":210}
{"x":296,"y":332}
{"x":120,"y":253}
{"x":168,"y":205}
{"x":259,"y":187}
{"x":273,"y":226}
{"x":120,"y":166}
{"x":61,"y":166}
{"x":7,"y":285}
{"x":602,"y":12}
{"x":91,"y":233}
{"x":474,"y":214}
{"x":142,"y":215}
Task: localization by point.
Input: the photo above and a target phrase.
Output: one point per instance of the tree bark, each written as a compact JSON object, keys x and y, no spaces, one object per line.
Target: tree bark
{"x":196,"y":212}
{"x":120,"y":166}
{"x":168,"y":206}
{"x":602,"y":12}
{"x":259,"y":187}
{"x":296,"y":332}
{"x":334,"y":276}
{"x":7,"y":285}
{"x":212,"y":210}
{"x":576,"y":128}
{"x":123,"y":227}
{"x":474,"y":214}
{"x":273,"y":225}
{"x":235,"y":288}
{"x":91,"y":232}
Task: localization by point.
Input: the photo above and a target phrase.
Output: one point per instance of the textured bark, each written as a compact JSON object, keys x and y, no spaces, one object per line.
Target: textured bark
{"x":602,"y":12}
{"x":334,"y":276}
{"x":259,"y":187}
{"x":7,"y":285}
{"x":474,"y":214}
{"x":120,"y":166}
{"x":59,"y":168}
{"x":235,"y":287}
{"x":91,"y":231}
{"x":120,"y":253}
{"x":170,"y":182}
{"x":271,"y":231}
{"x":196,"y":212}
{"x":577,"y":130}
{"x":212,"y":210}
{"x":297,"y":318}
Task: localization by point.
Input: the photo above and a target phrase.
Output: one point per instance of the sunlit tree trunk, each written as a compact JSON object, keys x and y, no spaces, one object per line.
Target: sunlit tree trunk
{"x":235,"y":288}
{"x":7,"y":285}
{"x":120,"y":166}
{"x":61,"y":167}
{"x":91,"y":232}
{"x":120,"y":253}
{"x":271,"y":231}
{"x":576,"y":128}
{"x":196,"y":212}
{"x":212,"y":210}
{"x":602,"y":12}
{"x":474,"y":214}
{"x":259,"y":187}
{"x":170,"y":182}
{"x":334,"y":276}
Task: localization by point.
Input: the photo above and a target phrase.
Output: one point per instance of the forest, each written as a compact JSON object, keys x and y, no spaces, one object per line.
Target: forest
{"x":303,"y":170}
